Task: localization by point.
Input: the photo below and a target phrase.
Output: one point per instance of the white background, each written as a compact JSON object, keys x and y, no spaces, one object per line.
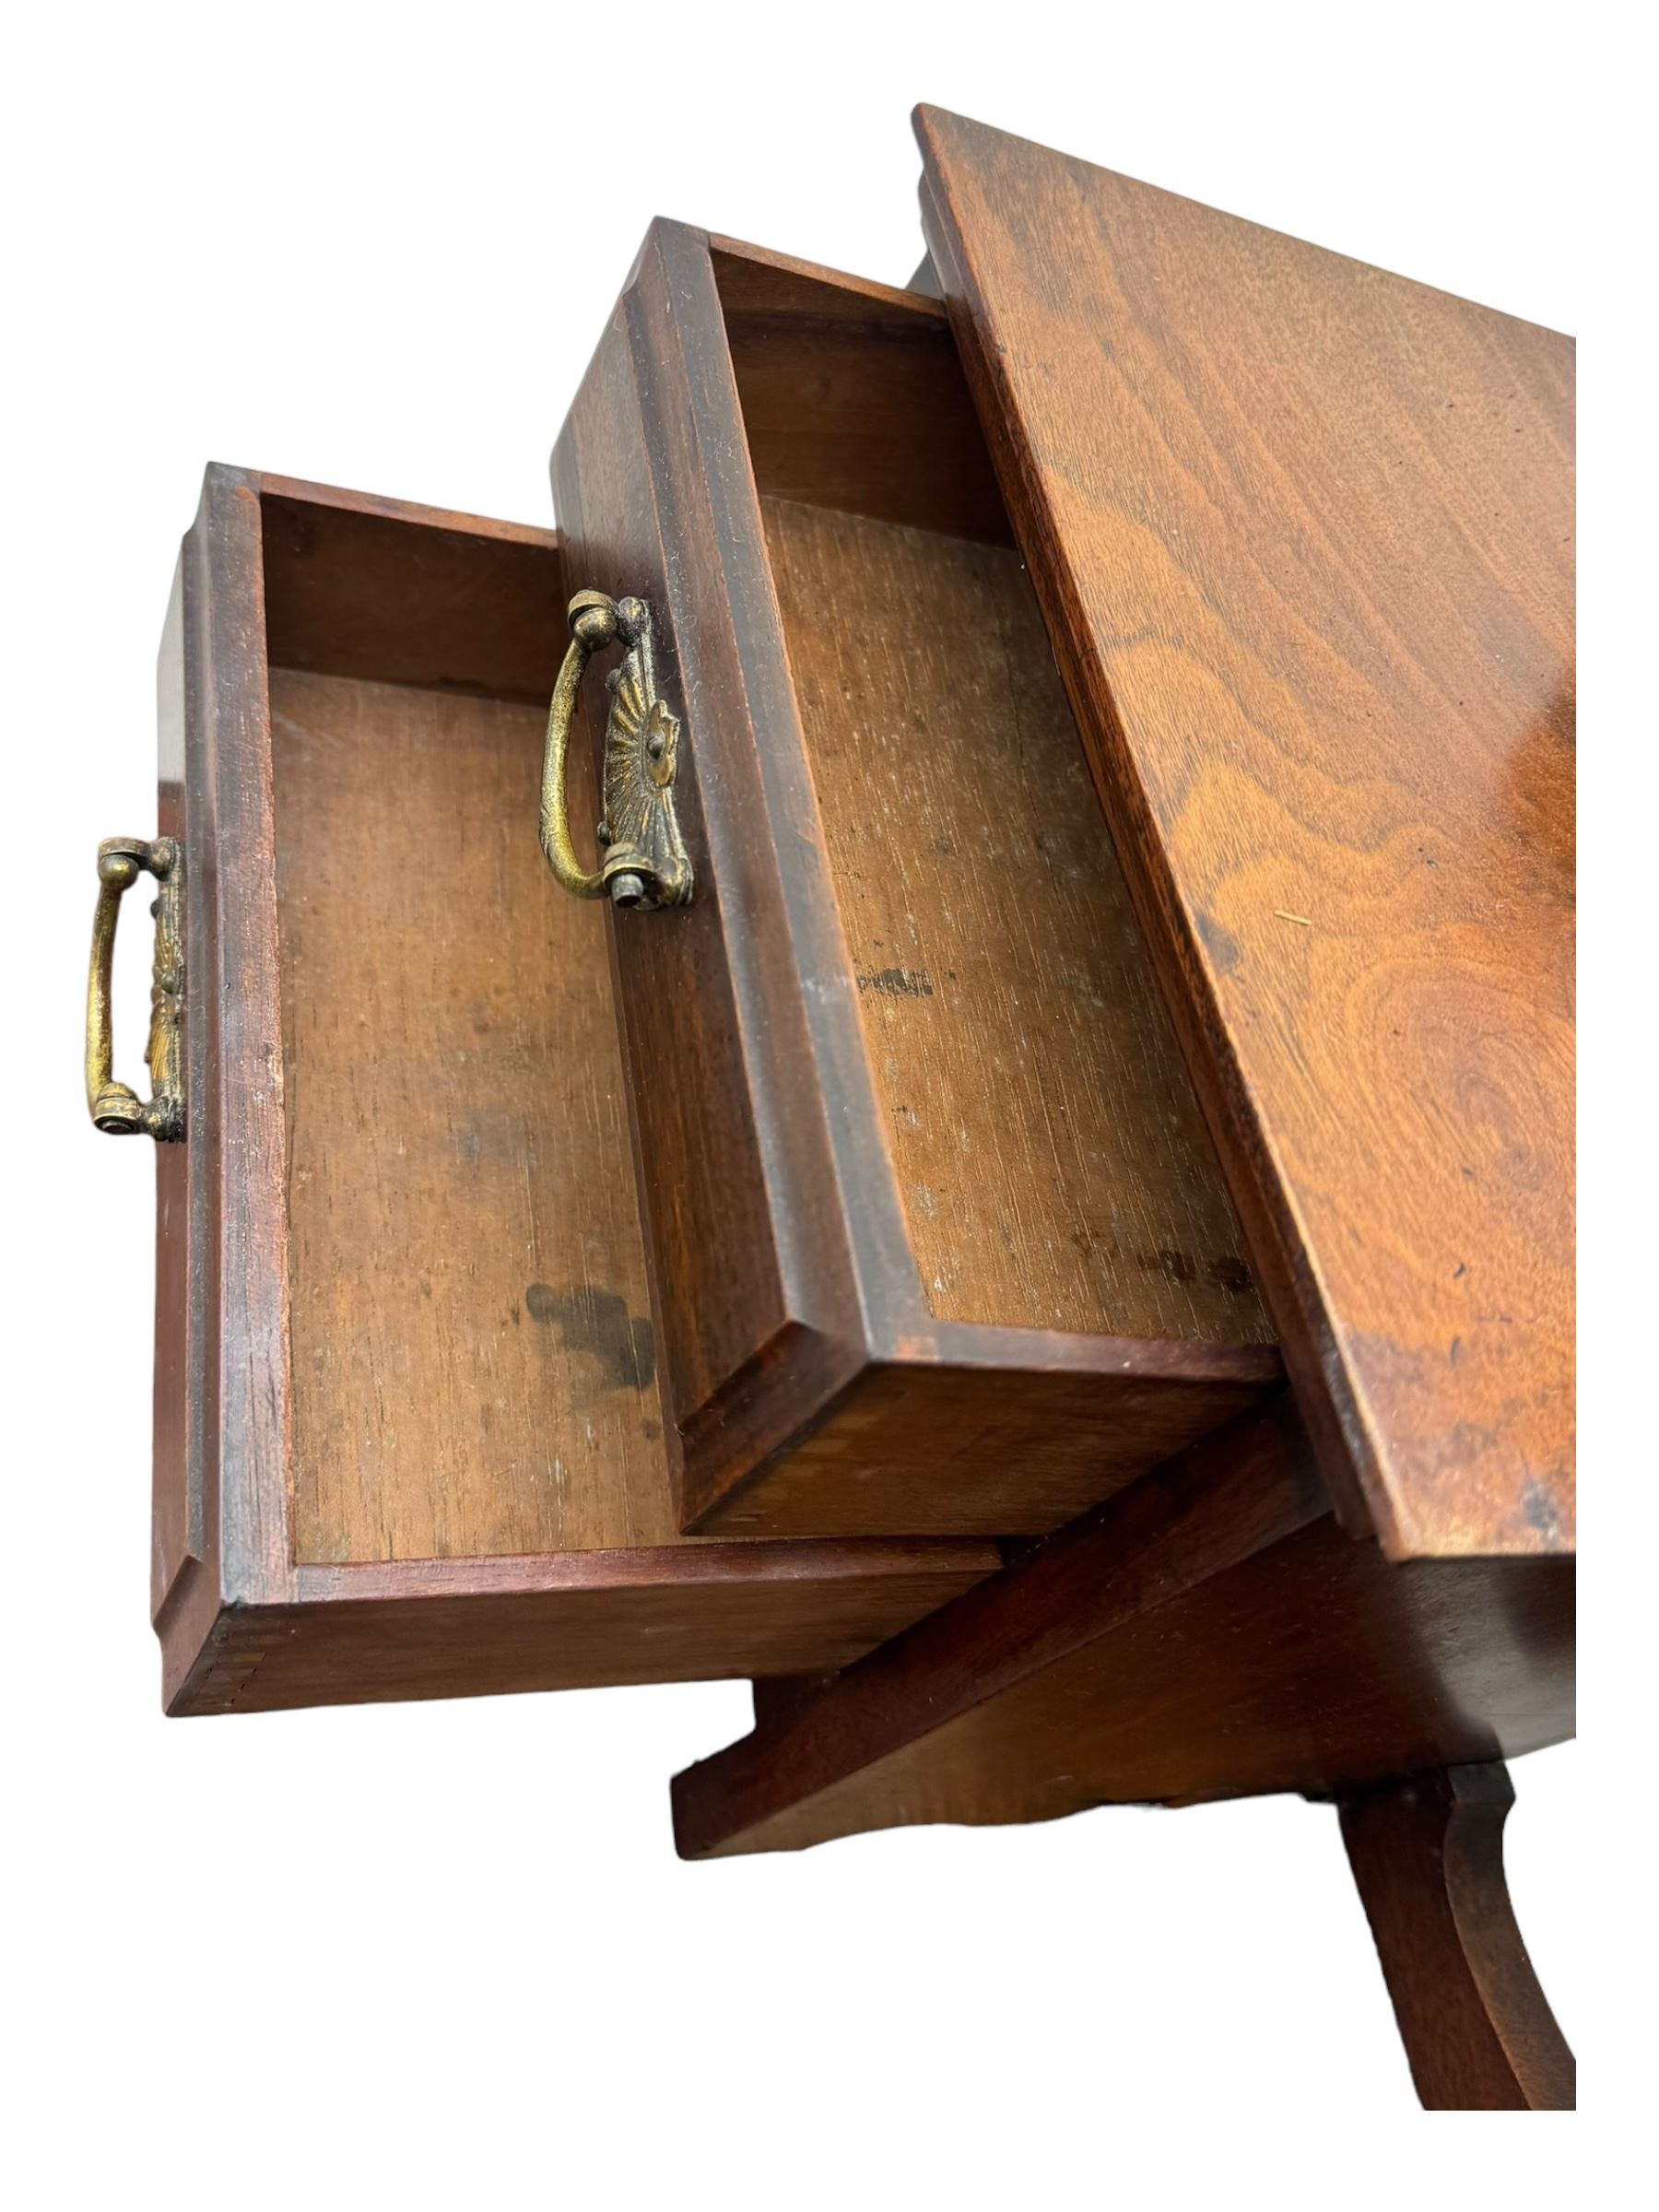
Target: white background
{"x":425,"y":1954}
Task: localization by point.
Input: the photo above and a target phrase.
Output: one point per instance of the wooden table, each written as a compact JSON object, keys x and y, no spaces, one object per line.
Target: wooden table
{"x":1027,"y":1204}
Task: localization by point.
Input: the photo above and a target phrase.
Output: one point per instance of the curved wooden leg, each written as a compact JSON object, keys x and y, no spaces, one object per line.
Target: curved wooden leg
{"x":1427,"y":1857}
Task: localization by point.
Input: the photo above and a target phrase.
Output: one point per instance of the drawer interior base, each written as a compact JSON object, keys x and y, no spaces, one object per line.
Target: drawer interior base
{"x":1052,"y":1166}
{"x":472,"y":1363}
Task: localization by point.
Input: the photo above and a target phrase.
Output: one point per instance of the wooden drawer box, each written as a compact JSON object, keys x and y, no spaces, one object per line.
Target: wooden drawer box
{"x":937,"y":1241}
{"x":937,"y":1248}
{"x":408,"y":1440}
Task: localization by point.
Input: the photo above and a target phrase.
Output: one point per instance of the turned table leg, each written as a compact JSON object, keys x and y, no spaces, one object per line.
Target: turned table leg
{"x":1427,"y":1857}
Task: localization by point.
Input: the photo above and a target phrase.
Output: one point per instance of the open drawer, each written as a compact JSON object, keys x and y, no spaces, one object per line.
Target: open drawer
{"x":937,"y":1239}
{"x":408,"y":1440}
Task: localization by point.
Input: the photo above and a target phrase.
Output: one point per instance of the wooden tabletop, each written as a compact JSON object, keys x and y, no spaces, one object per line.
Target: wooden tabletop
{"x":1302,"y":535}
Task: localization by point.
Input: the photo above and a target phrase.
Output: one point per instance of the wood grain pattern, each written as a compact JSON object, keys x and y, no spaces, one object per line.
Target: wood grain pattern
{"x":752,"y":1286}
{"x":781,"y":1265}
{"x":410,"y":1415}
{"x":238,"y":1379}
{"x":1209,"y":1632}
{"x":351,"y":589}
{"x":1303,"y":534}
{"x":757,"y":280}
{"x":853,"y":397}
{"x":176,"y":1535}
{"x":924,"y":1448}
{"x":355,"y":1635}
{"x":1054,"y":1169}
{"x":1427,"y":1855}
{"x":474,"y":1367}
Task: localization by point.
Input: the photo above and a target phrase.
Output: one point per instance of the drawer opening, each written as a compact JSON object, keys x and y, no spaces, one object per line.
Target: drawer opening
{"x":1052,"y":1166}
{"x":936,"y":1241}
{"x":473,"y":1364}
{"x":403,"y":1358}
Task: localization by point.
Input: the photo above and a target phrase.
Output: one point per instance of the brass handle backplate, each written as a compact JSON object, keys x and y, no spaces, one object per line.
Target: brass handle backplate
{"x":114,"y":1108}
{"x":643,"y":859}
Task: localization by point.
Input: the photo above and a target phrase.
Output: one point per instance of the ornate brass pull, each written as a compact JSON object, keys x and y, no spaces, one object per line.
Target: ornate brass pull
{"x":115,"y":1108}
{"x":644,"y":860}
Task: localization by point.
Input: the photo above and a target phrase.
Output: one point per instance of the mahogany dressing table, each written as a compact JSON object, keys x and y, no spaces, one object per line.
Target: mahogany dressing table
{"x":1024,"y":1203}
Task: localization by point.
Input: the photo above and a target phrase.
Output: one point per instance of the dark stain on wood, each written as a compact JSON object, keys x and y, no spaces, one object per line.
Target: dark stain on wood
{"x":897,"y":983}
{"x":819,"y":1379}
{"x":376,"y":1476}
{"x":590,"y":1320}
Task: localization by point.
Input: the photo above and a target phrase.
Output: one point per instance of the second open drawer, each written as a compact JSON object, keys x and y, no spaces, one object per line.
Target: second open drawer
{"x":937,"y":1241}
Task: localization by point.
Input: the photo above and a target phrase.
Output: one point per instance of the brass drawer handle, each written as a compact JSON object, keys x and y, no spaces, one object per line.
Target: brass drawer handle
{"x":114,"y":1109}
{"x":645,"y":862}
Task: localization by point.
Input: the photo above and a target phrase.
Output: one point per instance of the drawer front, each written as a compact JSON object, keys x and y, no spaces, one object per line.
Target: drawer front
{"x":408,"y":1435}
{"x":938,"y":1242}
{"x":177,"y":1541}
